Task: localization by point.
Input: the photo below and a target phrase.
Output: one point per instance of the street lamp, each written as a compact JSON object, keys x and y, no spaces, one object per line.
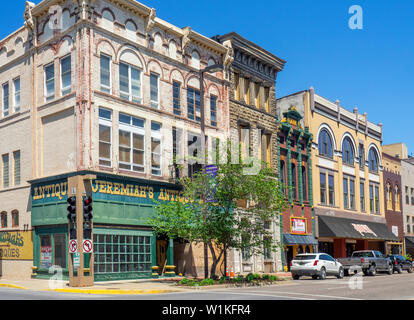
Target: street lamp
{"x":210,"y":69}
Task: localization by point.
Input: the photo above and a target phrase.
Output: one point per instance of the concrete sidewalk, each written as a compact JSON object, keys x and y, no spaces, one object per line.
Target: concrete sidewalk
{"x":126,"y":287}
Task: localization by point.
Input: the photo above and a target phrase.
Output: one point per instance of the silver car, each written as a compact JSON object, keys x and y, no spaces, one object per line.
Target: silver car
{"x":316,"y":265}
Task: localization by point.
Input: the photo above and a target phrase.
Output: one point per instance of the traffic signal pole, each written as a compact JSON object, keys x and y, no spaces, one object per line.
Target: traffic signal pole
{"x":80,"y":187}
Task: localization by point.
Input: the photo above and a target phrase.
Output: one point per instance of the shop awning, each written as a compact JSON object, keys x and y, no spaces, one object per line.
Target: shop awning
{"x":298,"y":239}
{"x":354,"y":229}
{"x":409,"y":241}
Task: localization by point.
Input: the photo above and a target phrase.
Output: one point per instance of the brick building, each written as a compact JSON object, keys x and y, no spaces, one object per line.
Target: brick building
{"x":106,"y":88}
{"x":253,"y":124}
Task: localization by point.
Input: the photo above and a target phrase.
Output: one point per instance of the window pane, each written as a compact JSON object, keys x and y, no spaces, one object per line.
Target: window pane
{"x":17,"y":94}
{"x":104,"y":133}
{"x":16,"y":156}
{"x":154,"y":90}
{"x":124,"y":119}
{"x":124,"y":79}
{"x":6,"y":183}
{"x":105,"y":114}
{"x":66,"y":74}
{"x":136,"y":85}
{"x":105,"y":74}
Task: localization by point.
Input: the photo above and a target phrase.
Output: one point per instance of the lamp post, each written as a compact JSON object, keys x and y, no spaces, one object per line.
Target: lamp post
{"x":209,"y":69}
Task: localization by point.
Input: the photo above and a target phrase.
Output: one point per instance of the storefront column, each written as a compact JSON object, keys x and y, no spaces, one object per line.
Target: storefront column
{"x":170,"y":268}
{"x":361,"y":245}
{"x":339,"y":248}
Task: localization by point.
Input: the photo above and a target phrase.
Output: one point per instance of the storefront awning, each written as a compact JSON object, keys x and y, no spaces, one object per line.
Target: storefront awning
{"x":354,"y":229}
{"x":409,"y":241}
{"x":298,"y":239}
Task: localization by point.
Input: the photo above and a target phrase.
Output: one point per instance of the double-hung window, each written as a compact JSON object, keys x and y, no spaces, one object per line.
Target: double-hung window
{"x":105,"y":74}
{"x":50,"y":82}
{"x":346,"y":198}
{"x":16,"y":83}
{"x":6,"y":168}
{"x":323,"y":187}
{"x":154,"y":84}
{"x":374,"y":198}
{"x":193,"y":103}
{"x":66,"y":75}
{"x":156,"y":148}
{"x":213,"y":110}
{"x":177,"y":98}
{"x":362,"y":194}
{"x":17,"y":179}
{"x":130,"y":83}
{"x":131,"y":143}
{"x":6,"y":109}
{"x":331,"y":190}
{"x":105,"y":137}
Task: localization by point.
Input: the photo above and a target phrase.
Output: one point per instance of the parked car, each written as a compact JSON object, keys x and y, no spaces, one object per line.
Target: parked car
{"x":369,"y":261}
{"x":400,"y":263}
{"x":316,"y":265}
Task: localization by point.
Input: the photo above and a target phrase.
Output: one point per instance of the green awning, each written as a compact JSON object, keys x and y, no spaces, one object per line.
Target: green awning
{"x":290,"y":239}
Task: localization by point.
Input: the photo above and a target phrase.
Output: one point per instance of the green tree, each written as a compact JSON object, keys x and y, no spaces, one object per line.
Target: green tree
{"x":228,"y":210}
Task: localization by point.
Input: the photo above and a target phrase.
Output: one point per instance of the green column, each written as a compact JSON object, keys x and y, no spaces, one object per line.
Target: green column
{"x":170,"y":268}
{"x":289,"y":168}
{"x":281,"y":214}
{"x":299,"y":170}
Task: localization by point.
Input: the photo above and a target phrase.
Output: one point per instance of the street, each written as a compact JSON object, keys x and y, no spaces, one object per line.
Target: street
{"x":381,"y":287}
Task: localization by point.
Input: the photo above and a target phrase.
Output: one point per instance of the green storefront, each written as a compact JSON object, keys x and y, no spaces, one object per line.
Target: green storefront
{"x":125,"y":247}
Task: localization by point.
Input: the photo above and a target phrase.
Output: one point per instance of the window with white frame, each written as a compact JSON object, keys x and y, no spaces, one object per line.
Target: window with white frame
{"x":6,"y":110}
{"x":156,"y":148}
{"x":154,"y":80}
{"x":105,"y":74}
{"x":6,"y":168}
{"x":213,"y":110}
{"x":130,"y":83}
{"x":66,"y":75}
{"x":16,"y":157}
{"x":16,"y":83}
{"x":105,"y":137}
{"x":131,"y":143}
{"x":50,"y":82}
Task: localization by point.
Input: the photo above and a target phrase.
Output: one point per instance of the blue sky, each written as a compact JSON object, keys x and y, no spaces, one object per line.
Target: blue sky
{"x":372,"y":68}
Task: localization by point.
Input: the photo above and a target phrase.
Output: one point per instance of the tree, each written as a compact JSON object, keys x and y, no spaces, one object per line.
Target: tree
{"x":227,"y":210}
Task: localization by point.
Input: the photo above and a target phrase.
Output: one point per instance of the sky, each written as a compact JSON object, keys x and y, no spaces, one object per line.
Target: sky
{"x":371,"y":69}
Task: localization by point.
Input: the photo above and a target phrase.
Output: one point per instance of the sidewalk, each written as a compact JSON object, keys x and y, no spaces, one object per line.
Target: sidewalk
{"x":125,"y":287}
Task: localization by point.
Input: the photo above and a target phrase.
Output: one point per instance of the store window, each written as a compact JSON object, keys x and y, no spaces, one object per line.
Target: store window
{"x":60,"y":250}
{"x":122,"y":253}
{"x":45,"y":252}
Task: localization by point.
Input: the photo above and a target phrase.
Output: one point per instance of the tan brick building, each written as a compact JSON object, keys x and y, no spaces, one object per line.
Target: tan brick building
{"x":103,"y":87}
{"x":253,"y":124}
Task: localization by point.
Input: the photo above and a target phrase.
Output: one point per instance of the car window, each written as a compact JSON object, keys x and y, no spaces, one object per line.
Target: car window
{"x":301,"y":258}
{"x":378,"y":254}
{"x":323,"y":257}
{"x":363,"y":254}
{"x":330,"y":258}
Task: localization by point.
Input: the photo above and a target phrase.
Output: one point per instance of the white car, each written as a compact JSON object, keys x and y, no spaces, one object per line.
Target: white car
{"x":316,"y":265}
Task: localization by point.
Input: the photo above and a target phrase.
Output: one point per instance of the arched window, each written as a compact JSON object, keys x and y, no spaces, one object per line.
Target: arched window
{"x":3,"y":217}
{"x":325,"y":144}
{"x":195,"y":60}
{"x":15,"y":219}
{"x":347,"y":152}
{"x":373,"y":160}
{"x":389,"y":196}
{"x":397,"y":198}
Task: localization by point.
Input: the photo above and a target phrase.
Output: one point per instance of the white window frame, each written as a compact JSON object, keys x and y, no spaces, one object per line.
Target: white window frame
{"x":17,"y":171}
{"x":17,"y":93}
{"x":110,"y":74}
{"x":65,"y":90}
{"x":156,"y":135}
{"x":139,"y":131}
{"x":155,"y":104}
{"x":51,"y":96}
{"x":107,"y":123}
{"x":6,"y":111}
{"x":130,"y":97}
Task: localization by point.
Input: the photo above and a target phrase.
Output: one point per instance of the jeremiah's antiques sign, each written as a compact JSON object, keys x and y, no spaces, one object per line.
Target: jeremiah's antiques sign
{"x":16,"y":246}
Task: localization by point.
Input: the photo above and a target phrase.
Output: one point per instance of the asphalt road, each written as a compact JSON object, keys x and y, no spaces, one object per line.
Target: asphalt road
{"x":381,"y":287}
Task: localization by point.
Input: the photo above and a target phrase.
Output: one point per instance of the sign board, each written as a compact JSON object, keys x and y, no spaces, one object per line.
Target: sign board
{"x":395,"y":230}
{"x":212,"y":172}
{"x":76,"y":260}
{"x":16,"y":245}
{"x":73,"y":246}
{"x":45,"y":257}
{"x":298,"y":226}
{"x":87,"y":246}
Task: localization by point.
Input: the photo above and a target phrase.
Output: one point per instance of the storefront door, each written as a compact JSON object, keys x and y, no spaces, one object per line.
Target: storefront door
{"x":162,"y":246}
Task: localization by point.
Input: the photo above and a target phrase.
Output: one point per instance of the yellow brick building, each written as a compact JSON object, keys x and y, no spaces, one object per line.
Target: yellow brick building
{"x":347,"y":179}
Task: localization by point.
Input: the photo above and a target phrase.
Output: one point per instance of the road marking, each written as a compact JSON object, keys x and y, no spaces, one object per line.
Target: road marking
{"x":254,"y":293}
{"x":317,"y":295}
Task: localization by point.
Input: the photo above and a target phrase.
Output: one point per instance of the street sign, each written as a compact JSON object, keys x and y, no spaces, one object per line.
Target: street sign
{"x":73,"y":246}
{"x":211,"y":171}
{"x":87,"y":246}
{"x":76,"y":260}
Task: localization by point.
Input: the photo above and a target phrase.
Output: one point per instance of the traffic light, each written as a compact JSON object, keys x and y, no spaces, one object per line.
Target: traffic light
{"x":87,"y":209}
{"x":72,"y":209}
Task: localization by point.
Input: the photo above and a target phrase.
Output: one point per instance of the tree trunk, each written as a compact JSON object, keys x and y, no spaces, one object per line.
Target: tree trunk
{"x":215,"y":259}
{"x":205,"y":261}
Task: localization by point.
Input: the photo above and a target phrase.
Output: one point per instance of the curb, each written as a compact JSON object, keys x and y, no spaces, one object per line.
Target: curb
{"x":111,"y":292}
{"x":5,"y":285}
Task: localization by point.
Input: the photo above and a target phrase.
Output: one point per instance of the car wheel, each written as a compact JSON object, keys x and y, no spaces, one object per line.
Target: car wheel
{"x":372,"y":271}
{"x":340,"y":273}
{"x":410,"y":270}
{"x":322,"y":275}
{"x":399,"y":269}
{"x":296,"y":277}
{"x":390,"y":269}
